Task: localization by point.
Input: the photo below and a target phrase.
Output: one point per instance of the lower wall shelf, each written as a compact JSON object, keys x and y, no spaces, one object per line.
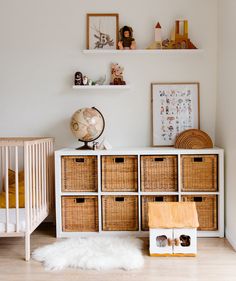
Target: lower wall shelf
{"x":102,"y":87}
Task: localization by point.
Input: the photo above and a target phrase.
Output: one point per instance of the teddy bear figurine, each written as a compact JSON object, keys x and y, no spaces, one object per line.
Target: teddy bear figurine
{"x":126,"y":41}
{"x":117,"y":75}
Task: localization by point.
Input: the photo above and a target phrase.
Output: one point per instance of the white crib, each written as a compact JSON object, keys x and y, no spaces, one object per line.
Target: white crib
{"x":34,"y":156}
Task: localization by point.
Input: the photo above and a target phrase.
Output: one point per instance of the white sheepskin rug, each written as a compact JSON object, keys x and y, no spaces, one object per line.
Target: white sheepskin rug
{"x":100,"y":253}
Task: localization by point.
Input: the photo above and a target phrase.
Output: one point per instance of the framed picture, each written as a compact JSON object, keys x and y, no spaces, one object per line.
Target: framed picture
{"x":102,"y":31}
{"x":175,"y":108}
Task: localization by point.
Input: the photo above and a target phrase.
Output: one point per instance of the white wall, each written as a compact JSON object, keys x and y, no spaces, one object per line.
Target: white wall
{"x":226,"y":101}
{"x":40,"y":50}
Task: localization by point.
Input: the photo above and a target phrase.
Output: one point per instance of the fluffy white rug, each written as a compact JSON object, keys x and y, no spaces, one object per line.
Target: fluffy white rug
{"x":92,"y":253}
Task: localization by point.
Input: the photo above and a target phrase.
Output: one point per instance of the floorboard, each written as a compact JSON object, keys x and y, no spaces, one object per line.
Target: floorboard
{"x":216,"y":260}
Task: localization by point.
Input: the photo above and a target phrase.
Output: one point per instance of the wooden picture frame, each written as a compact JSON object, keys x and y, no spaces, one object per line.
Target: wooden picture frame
{"x":175,"y":108}
{"x":102,"y":31}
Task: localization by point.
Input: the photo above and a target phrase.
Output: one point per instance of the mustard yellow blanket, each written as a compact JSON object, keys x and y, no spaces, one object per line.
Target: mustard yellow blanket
{"x":12,"y":191}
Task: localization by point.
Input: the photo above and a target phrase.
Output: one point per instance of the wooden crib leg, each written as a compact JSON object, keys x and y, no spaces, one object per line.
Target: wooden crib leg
{"x":27,"y":247}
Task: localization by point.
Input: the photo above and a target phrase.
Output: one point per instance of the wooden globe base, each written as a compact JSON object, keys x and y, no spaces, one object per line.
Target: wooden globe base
{"x":193,"y":139}
{"x":84,"y":147}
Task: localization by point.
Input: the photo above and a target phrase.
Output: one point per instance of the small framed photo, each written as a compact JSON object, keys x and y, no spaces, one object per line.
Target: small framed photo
{"x":175,"y":108}
{"x":102,"y":31}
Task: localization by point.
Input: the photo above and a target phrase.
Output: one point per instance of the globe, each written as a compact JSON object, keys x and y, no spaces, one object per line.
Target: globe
{"x":87,"y":124}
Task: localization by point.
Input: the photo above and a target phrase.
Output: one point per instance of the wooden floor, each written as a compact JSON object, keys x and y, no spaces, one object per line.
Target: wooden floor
{"x":216,"y":261}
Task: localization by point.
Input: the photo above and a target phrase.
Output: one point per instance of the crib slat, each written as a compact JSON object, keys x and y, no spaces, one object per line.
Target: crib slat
{"x":37,"y":181}
{"x":40,"y":177}
{"x":27,"y":211}
{"x":17,"y":187}
{"x":43,"y":176}
{"x":51,"y":202}
{"x":7,"y":188}
{"x":48,"y":177}
{"x":30,"y":185}
{"x":9,"y":157}
{"x":33,"y":182}
{"x":2,"y":167}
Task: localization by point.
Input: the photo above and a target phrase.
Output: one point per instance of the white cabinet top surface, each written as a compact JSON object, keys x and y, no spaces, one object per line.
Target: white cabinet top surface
{"x":137,"y":150}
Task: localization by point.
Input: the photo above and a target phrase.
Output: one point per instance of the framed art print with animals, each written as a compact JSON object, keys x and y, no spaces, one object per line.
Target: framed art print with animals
{"x":102,"y":31}
{"x":175,"y":108}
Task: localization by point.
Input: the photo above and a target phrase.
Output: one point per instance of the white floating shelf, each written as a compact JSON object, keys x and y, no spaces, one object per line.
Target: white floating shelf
{"x":145,"y":51}
{"x":102,"y":87}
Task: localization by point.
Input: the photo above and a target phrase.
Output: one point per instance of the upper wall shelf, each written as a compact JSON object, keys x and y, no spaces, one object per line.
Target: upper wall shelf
{"x":144,"y":51}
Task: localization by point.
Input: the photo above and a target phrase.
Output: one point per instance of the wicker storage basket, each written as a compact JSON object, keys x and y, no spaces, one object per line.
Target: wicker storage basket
{"x":158,"y":173}
{"x":206,"y":209}
{"x":120,"y":213}
{"x":79,"y":173}
{"x":79,"y":213}
{"x":153,"y":198}
{"x":199,"y":173}
{"x":119,"y":173}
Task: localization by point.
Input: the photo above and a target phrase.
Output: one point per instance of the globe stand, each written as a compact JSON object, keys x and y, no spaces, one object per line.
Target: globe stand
{"x":84,"y":147}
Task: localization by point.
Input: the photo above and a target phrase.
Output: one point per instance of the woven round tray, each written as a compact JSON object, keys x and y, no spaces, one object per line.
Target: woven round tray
{"x":193,"y":139}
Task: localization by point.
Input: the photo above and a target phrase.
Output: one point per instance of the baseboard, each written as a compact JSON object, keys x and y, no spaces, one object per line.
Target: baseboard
{"x":231,"y":239}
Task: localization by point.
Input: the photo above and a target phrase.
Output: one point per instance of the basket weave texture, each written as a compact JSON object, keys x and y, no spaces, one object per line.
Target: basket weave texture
{"x":193,"y":139}
{"x":120,"y":213}
{"x":199,"y":173}
{"x":79,"y":173}
{"x":206,"y":209}
{"x":152,"y":198}
{"x":159,"y":173}
{"x":119,"y":173}
{"x":79,"y":213}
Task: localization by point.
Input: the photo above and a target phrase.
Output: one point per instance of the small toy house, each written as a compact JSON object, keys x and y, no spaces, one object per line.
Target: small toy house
{"x":173,"y":228}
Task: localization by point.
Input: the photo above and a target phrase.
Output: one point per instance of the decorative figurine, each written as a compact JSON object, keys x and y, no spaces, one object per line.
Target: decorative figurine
{"x":157,"y":44}
{"x":101,"y":80}
{"x":179,"y":37}
{"x":127,"y":41}
{"x":158,"y":34}
{"x":90,"y":82}
{"x":95,"y":145}
{"x":104,"y":145}
{"x":181,"y":34}
{"x":85,"y":80}
{"x":117,"y":75}
{"x":78,"y":79}
{"x":165,"y":43}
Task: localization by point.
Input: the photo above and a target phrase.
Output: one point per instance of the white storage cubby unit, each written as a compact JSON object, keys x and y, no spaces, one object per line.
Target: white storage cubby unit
{"x":107,"y":191}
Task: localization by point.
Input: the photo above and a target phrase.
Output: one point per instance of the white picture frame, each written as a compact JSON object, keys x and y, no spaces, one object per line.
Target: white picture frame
{"x":175,"y":108}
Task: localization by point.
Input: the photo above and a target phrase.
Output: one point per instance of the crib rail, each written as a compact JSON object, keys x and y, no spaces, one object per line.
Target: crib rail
{"x":34,"y":156}
{"x":38,"y":162}
{"x":20,"y":141}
